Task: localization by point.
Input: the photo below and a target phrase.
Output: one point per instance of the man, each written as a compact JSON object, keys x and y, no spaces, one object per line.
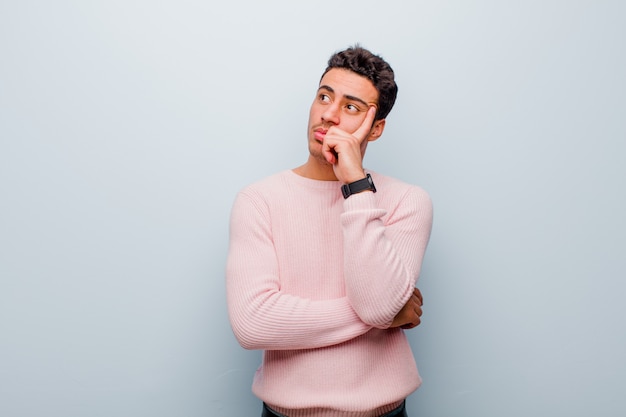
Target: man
{"x":324,"y":258}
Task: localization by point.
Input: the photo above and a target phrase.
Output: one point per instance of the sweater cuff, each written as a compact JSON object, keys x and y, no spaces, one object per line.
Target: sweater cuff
{"x":361,"y":201}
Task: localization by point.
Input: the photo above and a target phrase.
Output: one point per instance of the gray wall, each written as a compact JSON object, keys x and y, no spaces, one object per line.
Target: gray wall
{"x":126,"y":128}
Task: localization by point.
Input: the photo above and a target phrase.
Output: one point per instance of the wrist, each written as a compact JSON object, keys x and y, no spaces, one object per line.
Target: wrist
{"x":354,"y":176}
{"x":359,"y":186}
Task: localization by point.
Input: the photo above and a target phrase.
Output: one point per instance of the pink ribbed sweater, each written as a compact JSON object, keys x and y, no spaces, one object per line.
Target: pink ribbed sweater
{"x":315,"y":281}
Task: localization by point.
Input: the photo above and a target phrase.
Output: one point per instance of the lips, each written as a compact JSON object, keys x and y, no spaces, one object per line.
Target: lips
{"x":319,"y":134}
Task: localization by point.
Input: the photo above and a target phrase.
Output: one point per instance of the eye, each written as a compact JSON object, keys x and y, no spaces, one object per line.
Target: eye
{"x":324,"y":98}
{"x":352,"y":108}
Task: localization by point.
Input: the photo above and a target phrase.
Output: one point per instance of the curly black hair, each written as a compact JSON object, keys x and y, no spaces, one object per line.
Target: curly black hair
{"x":372,"y":67}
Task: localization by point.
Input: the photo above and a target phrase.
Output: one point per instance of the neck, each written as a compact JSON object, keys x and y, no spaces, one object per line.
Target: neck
{"x":315,"y":169}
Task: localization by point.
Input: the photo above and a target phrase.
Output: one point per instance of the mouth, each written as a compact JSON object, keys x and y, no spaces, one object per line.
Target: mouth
{"x":319,"y":134}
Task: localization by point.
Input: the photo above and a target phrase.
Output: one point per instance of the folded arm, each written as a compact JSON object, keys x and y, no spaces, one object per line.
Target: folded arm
{"x":264,"y":317}
{"x":383,"y":258}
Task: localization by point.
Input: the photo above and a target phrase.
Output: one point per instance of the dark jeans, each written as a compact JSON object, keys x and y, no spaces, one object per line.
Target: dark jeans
{"x":398,"y":412}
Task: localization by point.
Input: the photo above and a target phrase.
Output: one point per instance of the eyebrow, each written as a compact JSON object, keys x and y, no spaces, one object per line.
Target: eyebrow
{"x":349,"y":97}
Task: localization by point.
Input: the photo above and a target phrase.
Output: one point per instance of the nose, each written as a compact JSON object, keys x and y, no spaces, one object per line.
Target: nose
{"x":331,"y":114}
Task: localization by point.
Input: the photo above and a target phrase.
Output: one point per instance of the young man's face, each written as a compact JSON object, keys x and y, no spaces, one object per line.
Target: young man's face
{"x":343,"y":99}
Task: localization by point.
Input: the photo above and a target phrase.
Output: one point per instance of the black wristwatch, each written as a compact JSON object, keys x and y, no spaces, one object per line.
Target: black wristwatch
{"x":357,"y":186}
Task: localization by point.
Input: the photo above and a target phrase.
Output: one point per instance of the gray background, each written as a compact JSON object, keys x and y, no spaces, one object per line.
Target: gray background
{"x":126,"y":128}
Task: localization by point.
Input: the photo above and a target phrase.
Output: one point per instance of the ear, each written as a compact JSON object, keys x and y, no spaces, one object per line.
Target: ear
{"x":377,"y":130}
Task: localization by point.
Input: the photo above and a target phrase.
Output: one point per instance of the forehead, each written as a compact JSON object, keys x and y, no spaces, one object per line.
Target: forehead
{"x":344,"y":82}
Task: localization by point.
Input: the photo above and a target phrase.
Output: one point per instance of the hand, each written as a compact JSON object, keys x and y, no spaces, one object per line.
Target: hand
{"x":409,"y":316}
{"x":343,"y":150}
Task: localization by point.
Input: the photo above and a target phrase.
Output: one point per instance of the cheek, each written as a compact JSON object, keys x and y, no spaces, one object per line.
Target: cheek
{"x":314,"y":114}
{"x":352,"y":124}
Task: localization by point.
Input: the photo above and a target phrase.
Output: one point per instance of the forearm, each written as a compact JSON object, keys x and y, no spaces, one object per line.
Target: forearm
{"x":383,"y":254}
{"x":263,"y":314}
{"x":268,"y":319}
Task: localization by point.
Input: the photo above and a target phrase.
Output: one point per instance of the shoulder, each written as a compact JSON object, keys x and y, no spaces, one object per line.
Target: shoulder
{"x":393,"y":188}
{"x":401,"y":199}
{"x":274,"y":193}
{"x":267,"y":183}
{"x":264,"y":188}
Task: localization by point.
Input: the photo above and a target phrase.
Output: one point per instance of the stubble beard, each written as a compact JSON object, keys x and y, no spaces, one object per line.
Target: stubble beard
{"x":315,"y":150}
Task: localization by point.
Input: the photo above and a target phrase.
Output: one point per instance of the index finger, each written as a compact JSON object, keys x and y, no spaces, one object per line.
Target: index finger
{"x":366,"y":126}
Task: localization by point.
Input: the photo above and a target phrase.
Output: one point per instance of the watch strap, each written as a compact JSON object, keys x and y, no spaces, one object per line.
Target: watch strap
{"x":358,"y":186}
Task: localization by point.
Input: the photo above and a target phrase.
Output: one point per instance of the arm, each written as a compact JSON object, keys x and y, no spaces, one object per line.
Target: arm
{"x":261,"y":315}
{"x":383,"y":258}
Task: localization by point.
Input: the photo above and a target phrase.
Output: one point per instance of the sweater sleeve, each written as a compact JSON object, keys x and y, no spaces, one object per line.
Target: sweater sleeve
{"x":261,"y":315}
{"x":383,"y":258}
